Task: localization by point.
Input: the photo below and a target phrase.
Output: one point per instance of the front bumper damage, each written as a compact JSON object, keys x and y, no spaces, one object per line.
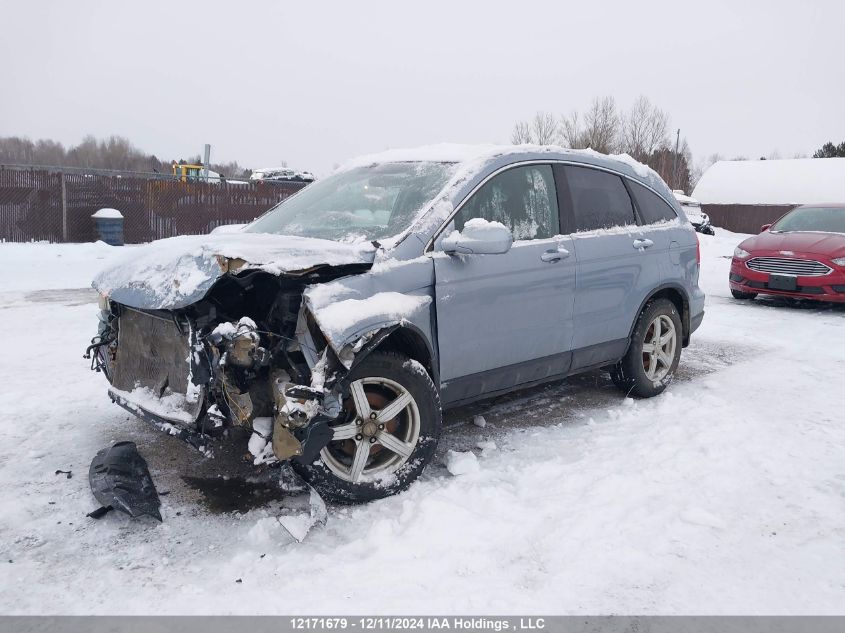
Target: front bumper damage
{"x":195,"y":375}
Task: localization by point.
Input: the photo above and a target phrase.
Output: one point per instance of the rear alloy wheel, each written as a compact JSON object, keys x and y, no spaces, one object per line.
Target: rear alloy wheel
{"x":385,"y":436}
{"x":743,"y":296}
{"x":652,"y":358}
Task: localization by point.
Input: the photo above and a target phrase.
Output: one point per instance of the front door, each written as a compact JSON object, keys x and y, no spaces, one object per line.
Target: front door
{"x":505,"y":320}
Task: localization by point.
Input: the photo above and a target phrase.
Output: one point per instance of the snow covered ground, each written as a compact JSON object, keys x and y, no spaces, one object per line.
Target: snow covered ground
{"x":724,"y":495}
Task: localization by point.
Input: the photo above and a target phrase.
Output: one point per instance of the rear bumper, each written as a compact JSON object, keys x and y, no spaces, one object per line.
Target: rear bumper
{"x":829,"y":287}
{"x":695,"y":321}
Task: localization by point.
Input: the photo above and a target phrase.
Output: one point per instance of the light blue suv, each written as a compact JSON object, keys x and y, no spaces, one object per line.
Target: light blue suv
{"x":335,"y":328}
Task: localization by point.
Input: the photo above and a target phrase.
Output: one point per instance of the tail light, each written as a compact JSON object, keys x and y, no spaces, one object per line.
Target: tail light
{"x":697,"y":249}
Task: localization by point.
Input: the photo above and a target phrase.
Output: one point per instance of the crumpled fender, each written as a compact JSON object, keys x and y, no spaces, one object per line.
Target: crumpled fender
{"x":350,"y":309}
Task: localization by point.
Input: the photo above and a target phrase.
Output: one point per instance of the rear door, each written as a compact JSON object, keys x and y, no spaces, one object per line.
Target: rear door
{"x":504,"y":320}
{"x":657,"y":220}
{"x":614,"y":271}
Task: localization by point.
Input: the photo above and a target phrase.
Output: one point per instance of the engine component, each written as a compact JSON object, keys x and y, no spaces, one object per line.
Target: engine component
{"x":285,"y":445}
{"x":239,"y":343}
{"x":240,"y":404}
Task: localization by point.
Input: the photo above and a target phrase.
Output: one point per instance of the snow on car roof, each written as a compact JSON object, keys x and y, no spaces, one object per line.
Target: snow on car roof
{"x":472,"y":160}
{"x":458,"y":153}
{"x":789,"y":181}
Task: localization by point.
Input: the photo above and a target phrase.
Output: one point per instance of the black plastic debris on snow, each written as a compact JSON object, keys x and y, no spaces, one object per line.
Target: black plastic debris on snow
{"x":65,"y":472}
{"x":121,"y":480}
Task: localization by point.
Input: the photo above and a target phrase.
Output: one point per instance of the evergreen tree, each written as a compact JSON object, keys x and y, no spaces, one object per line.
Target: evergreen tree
{"x":829,"y":150}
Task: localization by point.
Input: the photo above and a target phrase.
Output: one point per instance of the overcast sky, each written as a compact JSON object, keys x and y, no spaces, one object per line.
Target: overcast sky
{"x":315,"y":83}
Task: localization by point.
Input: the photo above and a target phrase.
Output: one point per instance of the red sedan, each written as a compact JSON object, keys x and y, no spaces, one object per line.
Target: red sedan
{"x":802,"y":255}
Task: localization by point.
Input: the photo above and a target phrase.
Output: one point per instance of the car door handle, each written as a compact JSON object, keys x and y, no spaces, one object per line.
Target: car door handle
{"x":641,"y":244}
{"x":555,"y":255}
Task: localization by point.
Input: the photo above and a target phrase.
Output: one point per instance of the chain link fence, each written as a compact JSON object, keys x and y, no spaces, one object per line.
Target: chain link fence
{"x":56,"y":204}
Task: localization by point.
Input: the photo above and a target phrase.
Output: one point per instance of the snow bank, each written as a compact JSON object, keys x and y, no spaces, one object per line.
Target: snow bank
{"x":40,"y":265}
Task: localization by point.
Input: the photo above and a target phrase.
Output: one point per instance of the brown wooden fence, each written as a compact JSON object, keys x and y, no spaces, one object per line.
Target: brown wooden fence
{"x":41,"y":204}
{"x":745,"y":218}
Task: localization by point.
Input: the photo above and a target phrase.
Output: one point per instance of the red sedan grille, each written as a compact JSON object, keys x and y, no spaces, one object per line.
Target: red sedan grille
{"x":786,"y":266}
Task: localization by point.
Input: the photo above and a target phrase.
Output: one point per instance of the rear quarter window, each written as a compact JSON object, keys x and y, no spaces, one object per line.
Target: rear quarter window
{"x":652,"y":208}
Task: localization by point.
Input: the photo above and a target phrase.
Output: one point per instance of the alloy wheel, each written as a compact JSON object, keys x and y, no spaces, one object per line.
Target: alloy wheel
{"x":659,"y":348}
{"x":380,"y":433}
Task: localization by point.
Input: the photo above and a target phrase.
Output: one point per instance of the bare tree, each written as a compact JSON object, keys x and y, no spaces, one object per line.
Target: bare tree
{"x":114,"y":152}
{"x":541,"y":130}
{"x":645,"y":129}
{"x":571,"y":134}
{"x":598,"y":129}
{"x":521,"y":133}
{"x":544,"y":128}
{"x":601,"y":125}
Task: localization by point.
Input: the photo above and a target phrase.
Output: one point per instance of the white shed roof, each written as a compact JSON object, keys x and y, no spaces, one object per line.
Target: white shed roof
{"x":791,"y":181}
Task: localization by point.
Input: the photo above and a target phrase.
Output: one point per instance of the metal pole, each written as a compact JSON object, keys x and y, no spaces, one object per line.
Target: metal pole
{"x":205,"y":161}
{"x":675,"y":161}
{"x":64,"y":209}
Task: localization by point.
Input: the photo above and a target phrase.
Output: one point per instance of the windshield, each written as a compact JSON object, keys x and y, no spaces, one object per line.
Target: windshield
{"x":822,"y":219}
{"x":361,"y":204}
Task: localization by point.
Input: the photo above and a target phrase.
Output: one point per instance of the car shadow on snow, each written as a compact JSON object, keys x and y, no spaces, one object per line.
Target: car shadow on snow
{"x":230,"y":483}
{"x":569,"y":401}
{"x":783,"y":303}
{"x":807,"y":305}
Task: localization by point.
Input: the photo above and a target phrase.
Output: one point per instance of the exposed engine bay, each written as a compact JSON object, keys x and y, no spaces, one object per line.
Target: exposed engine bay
{"x":248,"y":354}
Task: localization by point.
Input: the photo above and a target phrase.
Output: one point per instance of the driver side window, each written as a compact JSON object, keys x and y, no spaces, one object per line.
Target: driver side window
{"x":523,"y":199}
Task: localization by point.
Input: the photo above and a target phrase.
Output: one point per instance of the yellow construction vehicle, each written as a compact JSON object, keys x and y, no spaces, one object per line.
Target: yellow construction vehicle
{"x":192,"y":173}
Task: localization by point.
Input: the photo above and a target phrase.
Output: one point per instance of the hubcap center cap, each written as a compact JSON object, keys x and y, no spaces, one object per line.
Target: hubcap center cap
{"x":370,"y":428}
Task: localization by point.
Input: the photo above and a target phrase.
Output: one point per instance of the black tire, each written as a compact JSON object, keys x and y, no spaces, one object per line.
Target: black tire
{"x":743,"y":296}
{"x":629,"y":375}
{"x":413,"y":377}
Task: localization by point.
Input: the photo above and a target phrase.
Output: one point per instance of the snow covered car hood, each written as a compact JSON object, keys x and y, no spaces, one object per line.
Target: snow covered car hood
{"x":828,"y":244}
{"x":178,"y":271}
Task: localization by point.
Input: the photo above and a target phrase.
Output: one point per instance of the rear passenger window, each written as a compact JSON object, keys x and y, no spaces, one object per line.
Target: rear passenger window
{"x":599,"y":198}
{"x":652,"y":207}
{"x":523,"y":199}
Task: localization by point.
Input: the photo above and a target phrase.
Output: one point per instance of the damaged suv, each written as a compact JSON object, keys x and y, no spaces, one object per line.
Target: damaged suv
{"x":338,"y":325}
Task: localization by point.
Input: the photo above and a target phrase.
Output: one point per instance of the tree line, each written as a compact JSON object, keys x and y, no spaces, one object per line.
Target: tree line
{"x":114,"y":152}
{"x":642,"y":131}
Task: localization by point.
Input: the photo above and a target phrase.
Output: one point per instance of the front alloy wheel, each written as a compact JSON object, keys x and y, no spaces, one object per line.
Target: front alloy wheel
{"x":382,"y":434}
{"x":384,"y":437}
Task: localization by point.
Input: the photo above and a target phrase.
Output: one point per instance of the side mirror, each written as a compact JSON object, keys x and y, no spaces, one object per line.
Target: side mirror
{"x":765,"y":228}
{"x":479,"y":237}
